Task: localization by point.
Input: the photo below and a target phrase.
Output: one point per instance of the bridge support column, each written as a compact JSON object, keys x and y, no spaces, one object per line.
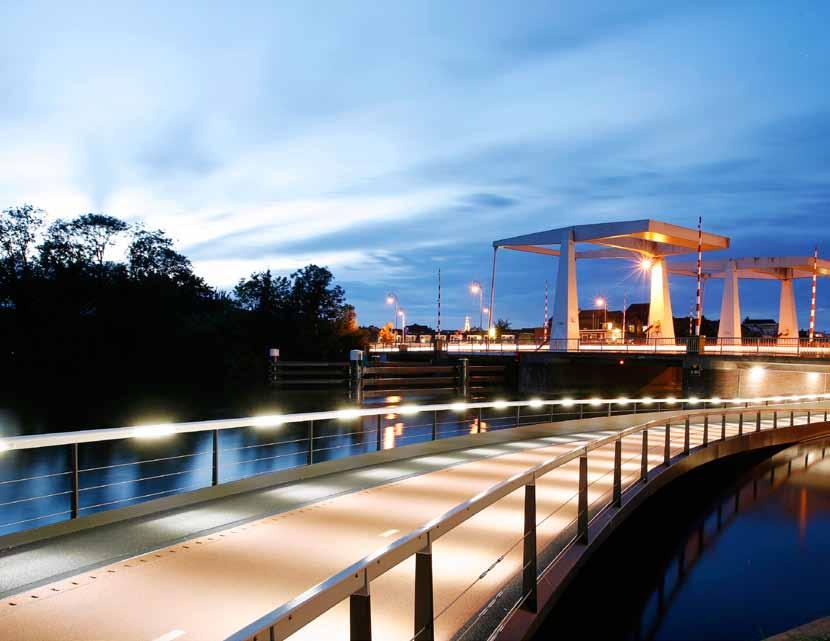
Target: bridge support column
{"x":564,"y":335}
{"x":659,"y":312}
{"x":424,"y":606}
{"x":360,"y":613}
{"x":787,"y":318}
{"x":529,"y":569}
{"x":730,"y":309}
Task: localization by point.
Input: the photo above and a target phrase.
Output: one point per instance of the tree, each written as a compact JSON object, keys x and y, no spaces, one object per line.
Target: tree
{"x":502,"y":325}
{"x":151,"y":256}
{"x":386,"y":334}
{"x":19,"y":227}
{"x":263,"y":292}
{"x":313,"y":296}
{"x":97,"y":232}
{"x":81,"y":242}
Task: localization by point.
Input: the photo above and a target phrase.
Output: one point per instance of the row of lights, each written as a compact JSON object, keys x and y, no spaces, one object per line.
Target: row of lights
{"x":347,"y":414}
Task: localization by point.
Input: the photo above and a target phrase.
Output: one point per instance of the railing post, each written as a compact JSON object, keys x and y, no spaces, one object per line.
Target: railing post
{"x":360,"y":612}
{"x":758,"y":422}
{"x":529,"y":583}
{"x":809,"y":417}
{"x":774,"y":419}
{"x":434,"y":424}
{"x":551,"y":412}
{"x":686,"y":437}
{"x":424,"y":605}
{"x":667,"y":445}
{"x":609,"y":408}
{"x":705,"y":430}
{"x":310,"y":456}
{"x":74,"y":497}
{"x":215,"y":479}
{"x":518,"y":415}
{"x":792,"y":418}
{"x":582,"y":511}
{"x":617,"y":499}
{"x":723,"y":427}
{"x":740,"y":424}
{"x":379,"y":429}
{"x":644,"y":458}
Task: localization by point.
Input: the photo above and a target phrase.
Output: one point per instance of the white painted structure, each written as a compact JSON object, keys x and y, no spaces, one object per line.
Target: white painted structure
{"x":647,"y":241}
{"x":784,"y":269}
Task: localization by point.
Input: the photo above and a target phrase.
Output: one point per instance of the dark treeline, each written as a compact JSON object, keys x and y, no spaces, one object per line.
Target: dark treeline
{"x":96,"y":339}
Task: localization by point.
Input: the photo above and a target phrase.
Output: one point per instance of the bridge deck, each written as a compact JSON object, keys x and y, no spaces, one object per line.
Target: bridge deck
{"x":207,"y":585}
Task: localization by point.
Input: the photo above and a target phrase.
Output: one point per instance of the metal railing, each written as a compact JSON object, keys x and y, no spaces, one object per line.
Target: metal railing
{"x":788,"y":347}
{"x":89,"y":471}
{"x":353,"y":582}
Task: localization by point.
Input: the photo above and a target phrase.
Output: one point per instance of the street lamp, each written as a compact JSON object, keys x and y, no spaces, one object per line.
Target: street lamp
{"x":392,"y":299}
{"x":402,"y":314}
{"x":476,"y":288}
{"x":601,"y":301}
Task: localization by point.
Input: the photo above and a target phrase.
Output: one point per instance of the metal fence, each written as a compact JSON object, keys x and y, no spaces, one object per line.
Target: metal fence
{"x":353,"y":582}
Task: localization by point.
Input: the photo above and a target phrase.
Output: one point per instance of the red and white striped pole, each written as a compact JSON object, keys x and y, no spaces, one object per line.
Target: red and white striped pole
{"x":545,"y":326}
{"x":699,"y":271}
{"x":813,"y":299}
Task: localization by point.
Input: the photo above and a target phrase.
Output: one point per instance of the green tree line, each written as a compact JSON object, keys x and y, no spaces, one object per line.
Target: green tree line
{"x":78,"y":327}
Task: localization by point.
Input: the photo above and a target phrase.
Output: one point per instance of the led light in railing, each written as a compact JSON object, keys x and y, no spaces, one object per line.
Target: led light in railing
{"x":737,"y":401}
{"x":409,"y":410}
{"x":671,"y":400}
{"x":4,"y":447}
{"x":647,"y":400}
{"x":715,"y":400}
{"x":348,"y":414}
{"x":500,"y":404}
{"x":536,"y":402}
{"x":567,"y":402}
{"x":272,"y":420}
{"x":693,"y":400}
{"x":596,"y":401}
{"x":778,"y":399}
{"x":622,"y":400}
{"x":153,"y":431}
{"x":458,"y":407}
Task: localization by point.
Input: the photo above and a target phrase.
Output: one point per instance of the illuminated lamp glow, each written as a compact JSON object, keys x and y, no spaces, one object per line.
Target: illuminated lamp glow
{"x":693,"y":400}
{"x":647,"y":400}
{"x":714,"y":400}
{"x":536,"y":402}
{"x":567,"y":402}
{"x":458,"y":407}
{"x":273,"y":420}
{"x":4,"y":447}
{"x":500,"y":404}
{"x":756,"y":372}
{"x":393,"y":399}
{"x":813,"y":376}
{"x":622,"y":401}
{"x":646,"y":264}
{"x":348,"y":414}
{"x":154,"y":431}
{"x":409,"y":410}
{"x":671,"y":400}
{"x":737,"y":401}
{"x":596,"y":401}
{"x":491,"y":332}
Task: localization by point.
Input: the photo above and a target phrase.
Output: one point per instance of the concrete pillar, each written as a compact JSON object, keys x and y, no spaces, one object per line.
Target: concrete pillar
{"x":564,"y":334}
{"x":730,"y":309}
{"x":787,"y":318}
{"x":659,"y":313}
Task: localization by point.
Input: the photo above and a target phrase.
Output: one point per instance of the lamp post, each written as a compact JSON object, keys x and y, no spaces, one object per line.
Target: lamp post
{"x":601,"y":301}
{"x":476,"y":288}
{"x":392,"y":299}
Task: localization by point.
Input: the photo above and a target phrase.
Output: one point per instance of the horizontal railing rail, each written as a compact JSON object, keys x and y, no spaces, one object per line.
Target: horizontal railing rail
{"x":353,"y":582}
{"x":40,"y":487}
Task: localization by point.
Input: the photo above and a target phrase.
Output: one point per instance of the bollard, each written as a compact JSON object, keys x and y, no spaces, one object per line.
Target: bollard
{"x":273,"y":366}
{"x":356,"y":375}
{"x":464,"y":378}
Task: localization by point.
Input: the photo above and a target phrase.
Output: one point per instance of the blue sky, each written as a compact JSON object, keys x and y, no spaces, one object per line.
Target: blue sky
{"x":388,"y":140}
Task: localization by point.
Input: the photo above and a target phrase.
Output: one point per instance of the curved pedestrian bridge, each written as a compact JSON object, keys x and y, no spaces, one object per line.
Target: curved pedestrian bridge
{"x":449,"y":539}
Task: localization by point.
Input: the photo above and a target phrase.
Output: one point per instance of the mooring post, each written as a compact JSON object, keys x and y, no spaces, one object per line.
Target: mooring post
{"x":356,"y":375}
{"x":273,"y":366}
{"x":464,"y":378}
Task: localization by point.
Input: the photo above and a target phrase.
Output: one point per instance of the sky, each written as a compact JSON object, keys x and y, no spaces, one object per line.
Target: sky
{"x":390,"y":140}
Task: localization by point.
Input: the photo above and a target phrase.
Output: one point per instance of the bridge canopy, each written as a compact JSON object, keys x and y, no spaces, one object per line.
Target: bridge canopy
{"x":755,"y":267}
{"x":646,"y":237}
